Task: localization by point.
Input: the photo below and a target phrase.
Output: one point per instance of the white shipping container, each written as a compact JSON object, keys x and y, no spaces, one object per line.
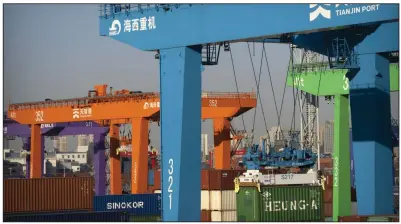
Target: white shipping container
{"x":228,"y":200}
{"x":223,"y":200}
{"x":224,"y":216}
{"x":215,"y":200}
{"x":205,"y":200}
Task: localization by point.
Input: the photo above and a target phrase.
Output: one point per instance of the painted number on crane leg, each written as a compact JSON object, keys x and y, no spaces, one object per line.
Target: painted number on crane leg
{"x":212,"y":103}
{"x":170,"y":180}
{"x":335,"y":171}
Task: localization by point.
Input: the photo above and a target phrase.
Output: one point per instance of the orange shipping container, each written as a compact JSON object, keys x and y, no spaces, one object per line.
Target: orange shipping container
{"x":48,"y":194}
{"x":223,"y":179}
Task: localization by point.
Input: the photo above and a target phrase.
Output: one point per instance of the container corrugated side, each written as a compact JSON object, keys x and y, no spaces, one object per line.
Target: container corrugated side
{"x":224,"y":216}
{"x":145,"y":218}
{"x":215,"y":200}
{"x":205,"y":200}
{"x":48,"y":194}
{"x":205,"y":184}
{"x":69,"y":217}
{"x":228,"y":200}
{"x":248,"y":204}
{"x":291,"y":204}
{"x":206,"y":216}
{"x":136,"y":204}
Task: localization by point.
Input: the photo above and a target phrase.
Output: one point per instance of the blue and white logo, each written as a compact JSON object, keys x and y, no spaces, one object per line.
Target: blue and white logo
{"x":115,"y":28}
{"x":319,"y":9}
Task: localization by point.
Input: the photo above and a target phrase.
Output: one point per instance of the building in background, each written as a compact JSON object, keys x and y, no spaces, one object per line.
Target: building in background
{"x":321,"y":136}
{"x":328,"y":136}
{"x":60,"y":143}
{"x":204,"y":147}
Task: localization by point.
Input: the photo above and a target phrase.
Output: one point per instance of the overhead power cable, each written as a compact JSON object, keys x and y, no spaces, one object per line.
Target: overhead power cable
{"x":236,"y":85}
{"x":257,"y":82}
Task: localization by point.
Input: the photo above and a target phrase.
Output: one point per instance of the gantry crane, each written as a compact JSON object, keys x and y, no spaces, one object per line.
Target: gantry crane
{"x":355,"y":36}
{"x":136,"y":108}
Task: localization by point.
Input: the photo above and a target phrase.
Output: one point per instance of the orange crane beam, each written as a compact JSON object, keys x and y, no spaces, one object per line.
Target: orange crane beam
{"x":129,"y":107}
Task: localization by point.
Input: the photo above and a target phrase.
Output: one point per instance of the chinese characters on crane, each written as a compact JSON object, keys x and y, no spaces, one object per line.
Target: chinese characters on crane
{"x":141,"y":24}
{"x":151,"y":105}
{"x":39,"y":116}
{"x":132,"y":25}
{"x":81,"y":112}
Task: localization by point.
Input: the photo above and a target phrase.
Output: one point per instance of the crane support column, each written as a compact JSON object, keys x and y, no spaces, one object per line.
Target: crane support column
{"x":139,"y":166}
{"x":371,"y":133}
{"x":115,"y":164}
{"x":100,"y":164}
{"x":26,"y":141}
{"x":37,"y":143}
{"x":180,"y":90}
{"x":222,"y":156}
{"x":341,"y":159}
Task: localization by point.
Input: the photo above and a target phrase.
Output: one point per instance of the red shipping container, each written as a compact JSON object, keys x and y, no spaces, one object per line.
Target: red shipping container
{"x":206,"y":216}
{"x":328,"y":195}
{"x":353,"y":218}
{"x":48,"y":194}
{"x":205,"y":183}
{"x":223,"y":179}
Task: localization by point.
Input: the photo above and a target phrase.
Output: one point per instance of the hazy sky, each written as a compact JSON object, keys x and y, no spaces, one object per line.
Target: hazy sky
{"x":55,"y":51}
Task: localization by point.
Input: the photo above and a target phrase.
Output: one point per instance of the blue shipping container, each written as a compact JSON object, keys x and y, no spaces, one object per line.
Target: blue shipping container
{"x":135,"y":204}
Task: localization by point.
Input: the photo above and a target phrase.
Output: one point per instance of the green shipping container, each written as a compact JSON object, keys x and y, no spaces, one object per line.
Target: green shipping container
{"x":248,"y":204}
{"x":291,"y":204}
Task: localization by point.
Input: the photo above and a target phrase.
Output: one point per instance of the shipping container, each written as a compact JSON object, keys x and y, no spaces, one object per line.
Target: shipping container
{"x":144,"y":218}
{"x":205,"y":200}
{"x":48,"y":194}
{"x":69,"y":217}
{"x":224,"y":216}
{"x":223,"y":200}
{"x":205,"y":180}
{"x":328,"y":195}
{"x":223,"y":179}
{"x":328,"y":209}
{"x":248,"y":204}
{"x":291,"y":204}
{"x":135,"y":204}
{"x":206,"y":216}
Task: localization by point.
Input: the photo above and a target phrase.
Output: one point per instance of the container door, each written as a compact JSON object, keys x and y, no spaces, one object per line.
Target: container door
{"x":248,"y":205}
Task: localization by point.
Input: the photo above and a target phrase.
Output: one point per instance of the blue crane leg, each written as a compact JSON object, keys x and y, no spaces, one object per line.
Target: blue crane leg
{"x":180,"y":87}
{"x":371,"y":122}
{"x":100,"y":164}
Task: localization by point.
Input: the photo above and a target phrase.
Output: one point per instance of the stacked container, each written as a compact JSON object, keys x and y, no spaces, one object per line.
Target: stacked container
{"x":222,"y":195}
{"x":218,"y":198}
